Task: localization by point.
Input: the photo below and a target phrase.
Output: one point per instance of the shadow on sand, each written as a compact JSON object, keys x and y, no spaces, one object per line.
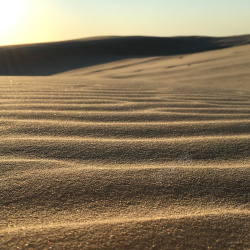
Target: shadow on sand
{"x":52,"y":58}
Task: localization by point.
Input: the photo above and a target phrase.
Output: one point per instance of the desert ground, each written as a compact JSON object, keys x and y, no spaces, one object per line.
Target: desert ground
{"x":126,"y":151}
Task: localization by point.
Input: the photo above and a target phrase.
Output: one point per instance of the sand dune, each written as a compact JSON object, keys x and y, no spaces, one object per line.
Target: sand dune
{"x":52,"y":58}
{"x":147,"y":152}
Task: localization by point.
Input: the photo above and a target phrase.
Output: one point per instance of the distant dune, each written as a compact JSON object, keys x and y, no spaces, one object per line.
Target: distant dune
{"x":134,"y":143}
{"x":52,"y":58}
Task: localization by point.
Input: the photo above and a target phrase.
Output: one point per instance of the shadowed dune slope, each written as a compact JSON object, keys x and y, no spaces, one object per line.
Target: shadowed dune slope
{"x":144,"y":153}
{"x":52,"y":58}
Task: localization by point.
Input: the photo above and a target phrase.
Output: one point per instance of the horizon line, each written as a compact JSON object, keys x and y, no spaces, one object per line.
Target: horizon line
{"x":113,"y":36}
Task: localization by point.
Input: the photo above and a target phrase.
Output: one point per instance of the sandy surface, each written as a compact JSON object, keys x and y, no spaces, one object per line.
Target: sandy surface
{"x":141,"y":153}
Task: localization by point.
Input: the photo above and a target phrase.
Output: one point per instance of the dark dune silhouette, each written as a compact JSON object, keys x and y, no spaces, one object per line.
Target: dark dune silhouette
{"x":51,"y":58}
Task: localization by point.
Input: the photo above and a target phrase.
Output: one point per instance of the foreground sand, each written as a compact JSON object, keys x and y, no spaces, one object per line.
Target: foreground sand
{"x":147,"y":153}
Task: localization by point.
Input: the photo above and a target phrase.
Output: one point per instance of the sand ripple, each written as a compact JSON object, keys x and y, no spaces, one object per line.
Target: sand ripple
{"x":122,"y":163}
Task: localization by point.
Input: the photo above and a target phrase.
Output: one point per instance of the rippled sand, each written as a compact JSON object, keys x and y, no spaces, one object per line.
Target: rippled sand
{"x":146,"y":153}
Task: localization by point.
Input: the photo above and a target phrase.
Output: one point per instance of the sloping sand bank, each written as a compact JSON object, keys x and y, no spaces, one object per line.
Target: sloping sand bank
{"x":144,"y":153}
{"x":51,"y":58}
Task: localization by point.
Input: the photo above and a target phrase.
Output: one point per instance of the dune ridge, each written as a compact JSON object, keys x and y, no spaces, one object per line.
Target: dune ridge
{"x":140,"y":153}
{"x":57,"y":57}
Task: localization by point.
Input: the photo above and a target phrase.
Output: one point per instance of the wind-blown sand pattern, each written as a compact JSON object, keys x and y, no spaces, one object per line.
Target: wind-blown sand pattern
{"x":141,"y":153}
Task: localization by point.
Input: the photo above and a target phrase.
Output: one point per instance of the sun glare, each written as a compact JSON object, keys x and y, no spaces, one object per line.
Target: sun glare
{"x":11,"y":12}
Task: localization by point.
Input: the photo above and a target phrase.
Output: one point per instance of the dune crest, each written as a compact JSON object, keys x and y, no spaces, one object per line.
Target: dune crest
{"x":52,"y":58}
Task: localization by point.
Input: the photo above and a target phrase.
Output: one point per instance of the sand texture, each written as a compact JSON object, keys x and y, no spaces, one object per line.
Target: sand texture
{"x":149,"y":152}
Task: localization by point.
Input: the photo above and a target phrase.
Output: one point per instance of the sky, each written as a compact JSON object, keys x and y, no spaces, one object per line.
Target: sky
{"x":35,"y":21}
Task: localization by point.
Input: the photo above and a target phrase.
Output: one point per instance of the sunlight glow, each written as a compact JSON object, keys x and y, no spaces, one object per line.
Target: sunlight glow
{"x":36,"y":21}
{"x":11,"y":11}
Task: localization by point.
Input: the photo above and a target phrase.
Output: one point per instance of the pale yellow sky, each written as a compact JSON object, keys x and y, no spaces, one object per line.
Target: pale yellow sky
{"x":32,"y":21}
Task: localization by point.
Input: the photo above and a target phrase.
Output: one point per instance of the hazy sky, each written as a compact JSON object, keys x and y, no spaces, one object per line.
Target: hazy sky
{"x":29,"y":21}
